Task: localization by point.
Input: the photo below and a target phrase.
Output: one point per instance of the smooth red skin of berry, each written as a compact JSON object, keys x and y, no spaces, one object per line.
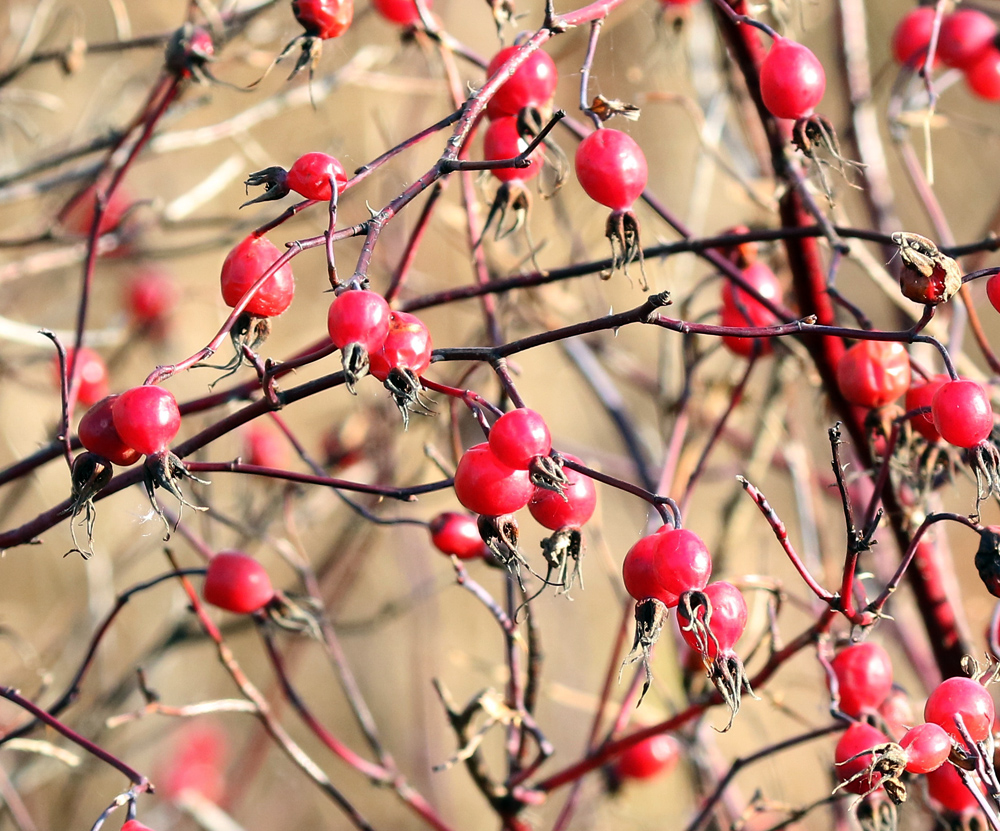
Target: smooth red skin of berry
{"x":90,"y":377}
{"x":864,"y":677}
{"x":458,"y":534}
{"x":401,"y":12}
{"x":962,"y":413}
{"x":611,"y":168}
{"x":407,"y":346}
{"x":135,"y":825}
{"x":896,"y":711}
{"x":532,"y":83}
{"x":152,"y":296}
{"x":753,"y":312}
{"x":98,"y":434}
{"x":912,"y":36}
{"x":965,"y":697}
{"x":146,"y":418}
{"x":487,"y":486}
{"x":310,"y":176}
{"x":946,"y":787}
{"x":650,"y":757}
{"x":572,"y":509}
{"x":502,"y":141}
{"x":729,"y":618}
{"x":324,"y":19}
{"x":237,"y":583}
{"x":359,"y":317}
{"x":983,"y":77}
{"x":245,"y":265}
{"x":873,"y":373}
{"x":922,"y":395}
{"x":792,"y":80}
{"x":927,"y":747}
{"x":965,"y":35}
{"x":857,"y":738}
{"x":265,"y":446}
{"x":666,"y":564}
{"x":993,"y":291}
{"x":519,"y":436}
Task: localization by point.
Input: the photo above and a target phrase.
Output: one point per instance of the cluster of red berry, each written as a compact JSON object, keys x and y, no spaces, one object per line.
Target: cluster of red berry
{"x":967,"y":41}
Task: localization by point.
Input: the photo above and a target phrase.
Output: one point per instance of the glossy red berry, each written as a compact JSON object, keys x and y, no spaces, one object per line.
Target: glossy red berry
{"x":151,"y":298}
{"x":726,"y":625}
{"x":135,"y":825}
{"x":873,"y":373}
{"x":912,"y":36}
{"x":896,"y":711}
{"x":965,"y":35}
{"x":651,"y":757}
{"x":98,"y":434}
{"x":856,"y":739}
{"x":993,"y":291}
{"x":237,"y":583}
{"x":487,"y":486}
{"x":245,"y":265}
{"x":401,"y":12}
{"x":666,"y":564}
{"x":502,"y":141}
{"x":947,"y":789}
{"x":611,"y":168}
{"x":407,"y":345}
{"x":864,"y":678}
{"x":570,"y":510}
{"x":963,"y":697}
{"x":359,"y":317}
{"x":792,"y":80}
{"x":324,"y":19}
{"x":146,"y":418}
{"x":962,"y":413}
{"x":519,"y":436}
{"x":921,"y":395}
{"x":740,"y":309}
{"x":927,"y":747}
{"x":90,"y":377}
{"x":532,"y":83}
{"x":310,"y":176}
{"x":983,"y":76}
{"x":458,"y":534}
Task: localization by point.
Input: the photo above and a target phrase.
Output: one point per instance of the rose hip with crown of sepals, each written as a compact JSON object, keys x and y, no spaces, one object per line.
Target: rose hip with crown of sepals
{"x":612,"y":170}
{"x":853,"y":763}
{"x":657,"y":571}
{"x":711,"y":621}
{"x":571,"y":508}
{"x":358,"y":323}
{"x":405,"y":354}
{"x":792,"y":80}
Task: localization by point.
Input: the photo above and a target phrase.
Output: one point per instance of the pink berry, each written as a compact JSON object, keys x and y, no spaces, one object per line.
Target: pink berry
{"x":792,"y":80}
{"x":486,"y":485}
{"x":237,"y":583}
{"x":961,"y":697}
{"x":611,"y":168}
{"x":146,"y":418}
{"x":864,"y":677}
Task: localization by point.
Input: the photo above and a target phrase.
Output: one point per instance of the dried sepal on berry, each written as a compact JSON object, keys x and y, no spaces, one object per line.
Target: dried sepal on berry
{"x":928,"y":276}
{"x":650,"y":615}
{"x":166,"y":471}
{"x":886,"y":765}
{"x":563,"y":553}
{"x":90,"y":475}
{"x":988,"y":560}
{"x":622,"y":230}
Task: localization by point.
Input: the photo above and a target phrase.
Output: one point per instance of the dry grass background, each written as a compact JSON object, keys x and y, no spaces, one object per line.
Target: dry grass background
{"x":401,"y":618}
